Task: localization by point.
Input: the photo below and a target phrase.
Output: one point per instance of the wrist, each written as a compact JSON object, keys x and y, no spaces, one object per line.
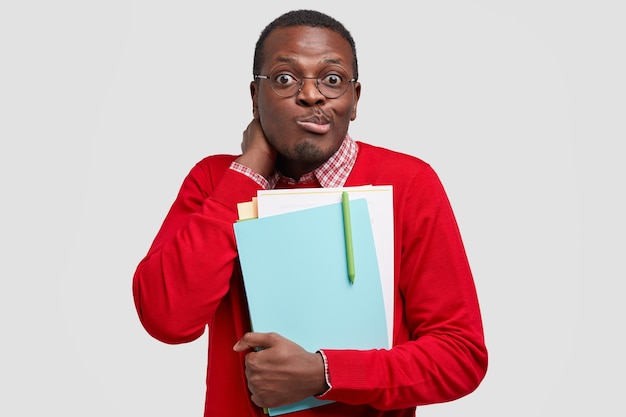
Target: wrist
{"x":261,"y":165}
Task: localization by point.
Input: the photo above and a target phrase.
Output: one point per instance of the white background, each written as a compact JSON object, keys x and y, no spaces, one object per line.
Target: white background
{"x":105,"y":106}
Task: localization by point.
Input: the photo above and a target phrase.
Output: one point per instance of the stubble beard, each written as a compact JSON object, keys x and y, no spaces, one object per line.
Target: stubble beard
{"x":308,"y":152}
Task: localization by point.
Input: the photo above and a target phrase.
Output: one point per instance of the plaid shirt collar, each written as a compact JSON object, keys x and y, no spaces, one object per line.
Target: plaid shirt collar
{"x":332,"y":173}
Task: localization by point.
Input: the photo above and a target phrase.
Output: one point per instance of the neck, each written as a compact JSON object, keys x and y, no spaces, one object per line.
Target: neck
{"x":295,"y":170}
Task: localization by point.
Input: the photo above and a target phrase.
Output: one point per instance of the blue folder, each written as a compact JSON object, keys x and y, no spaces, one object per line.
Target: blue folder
{"x":296,"y":281}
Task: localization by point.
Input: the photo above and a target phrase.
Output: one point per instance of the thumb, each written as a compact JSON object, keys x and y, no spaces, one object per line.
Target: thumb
{"x":252,"y":340}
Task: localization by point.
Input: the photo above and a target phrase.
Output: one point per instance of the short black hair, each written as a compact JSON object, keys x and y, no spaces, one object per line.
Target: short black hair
{"x":310,"y":18}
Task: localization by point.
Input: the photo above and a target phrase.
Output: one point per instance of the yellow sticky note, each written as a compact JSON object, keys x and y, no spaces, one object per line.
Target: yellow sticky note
{"x":248,"y":209}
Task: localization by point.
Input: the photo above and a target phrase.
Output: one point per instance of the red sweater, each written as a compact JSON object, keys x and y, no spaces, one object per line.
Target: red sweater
{"x":190,"y":278}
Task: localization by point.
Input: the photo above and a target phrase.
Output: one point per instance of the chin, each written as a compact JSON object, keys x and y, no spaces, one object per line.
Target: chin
{"x":310,"y":151}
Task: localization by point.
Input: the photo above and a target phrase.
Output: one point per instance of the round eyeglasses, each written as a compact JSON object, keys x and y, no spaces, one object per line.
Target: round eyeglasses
{"x":331,"y":82}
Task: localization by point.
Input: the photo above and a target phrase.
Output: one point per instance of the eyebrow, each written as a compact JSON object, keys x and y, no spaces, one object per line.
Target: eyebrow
{"x":289,"y":60}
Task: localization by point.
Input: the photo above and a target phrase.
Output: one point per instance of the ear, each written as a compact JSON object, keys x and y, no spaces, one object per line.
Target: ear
{"x":356,"y":96}
{"x":254,"y":92}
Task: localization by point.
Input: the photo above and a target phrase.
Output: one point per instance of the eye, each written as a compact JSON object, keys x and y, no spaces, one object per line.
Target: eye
{"x":284,"y":79}
{"x":332,"y":79}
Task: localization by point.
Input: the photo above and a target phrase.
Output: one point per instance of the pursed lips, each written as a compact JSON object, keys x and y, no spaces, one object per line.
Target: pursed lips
{"x":317,"y":124}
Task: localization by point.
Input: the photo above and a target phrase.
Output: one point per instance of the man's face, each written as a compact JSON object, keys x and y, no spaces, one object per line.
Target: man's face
{"x":306,"y":128}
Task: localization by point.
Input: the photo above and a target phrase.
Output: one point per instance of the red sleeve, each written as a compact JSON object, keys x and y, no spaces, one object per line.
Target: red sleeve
{"x":187,"y":270}
{"x":439,"y":352}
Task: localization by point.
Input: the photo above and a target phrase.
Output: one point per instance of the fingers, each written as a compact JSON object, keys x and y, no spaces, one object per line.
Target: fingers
{"x":253,"y":135}
{"x":257,"y":153}
{"x":281,"y":372}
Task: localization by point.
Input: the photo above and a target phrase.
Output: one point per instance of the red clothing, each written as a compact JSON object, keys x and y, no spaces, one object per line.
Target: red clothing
{"x":190,"y":278}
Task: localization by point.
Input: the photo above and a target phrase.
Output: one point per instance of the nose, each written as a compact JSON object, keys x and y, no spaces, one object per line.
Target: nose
{"x":309,"y":94}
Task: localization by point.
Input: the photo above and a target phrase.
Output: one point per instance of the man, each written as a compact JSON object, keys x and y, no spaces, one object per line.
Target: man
{"x":304,"y":95}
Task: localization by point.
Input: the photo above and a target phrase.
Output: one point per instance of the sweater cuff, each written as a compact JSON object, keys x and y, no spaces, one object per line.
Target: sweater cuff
{"x":258,"y":178}
{"x":235,"y":187}
{"x":326,"y":375}
{"x":350,"y":372}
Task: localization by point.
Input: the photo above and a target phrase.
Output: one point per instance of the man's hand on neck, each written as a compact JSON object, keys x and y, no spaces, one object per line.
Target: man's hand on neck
{"x":258,"y":154}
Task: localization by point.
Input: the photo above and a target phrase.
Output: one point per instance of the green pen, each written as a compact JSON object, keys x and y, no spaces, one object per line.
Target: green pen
{"x":347,"y":230}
